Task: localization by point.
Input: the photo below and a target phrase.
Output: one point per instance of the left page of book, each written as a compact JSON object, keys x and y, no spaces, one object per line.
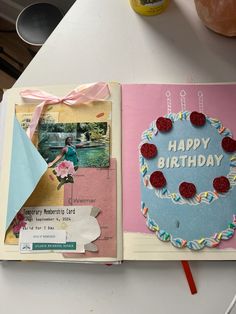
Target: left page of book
{"x":61,"y":190}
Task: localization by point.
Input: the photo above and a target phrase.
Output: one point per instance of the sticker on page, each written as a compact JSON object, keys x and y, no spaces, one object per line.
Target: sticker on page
{"x":59,"y":229}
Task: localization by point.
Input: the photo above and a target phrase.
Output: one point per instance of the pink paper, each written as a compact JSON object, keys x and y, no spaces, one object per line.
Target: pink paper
{"x":229,"y":244}
{"x":97,"y":187}
{"x":141,"y":104}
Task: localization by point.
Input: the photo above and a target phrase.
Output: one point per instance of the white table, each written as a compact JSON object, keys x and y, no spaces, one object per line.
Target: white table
{"x":105,"y":40}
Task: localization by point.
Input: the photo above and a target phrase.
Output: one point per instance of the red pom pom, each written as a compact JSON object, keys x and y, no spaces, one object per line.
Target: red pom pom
{"x":157,"y":179}
{"x":221,"y":184}
{"x":187,"y":190}
{"x":148,"y":151}
{"x":197,"y":118}
{"x":164,"y":124}
{"x":228,"y":144}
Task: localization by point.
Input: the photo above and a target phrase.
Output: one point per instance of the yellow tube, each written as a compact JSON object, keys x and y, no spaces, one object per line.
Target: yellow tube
{"x":149,"y":7}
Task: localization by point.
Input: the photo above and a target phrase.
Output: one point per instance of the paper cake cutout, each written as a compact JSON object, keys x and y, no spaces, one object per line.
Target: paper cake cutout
{"x":196,"y":206}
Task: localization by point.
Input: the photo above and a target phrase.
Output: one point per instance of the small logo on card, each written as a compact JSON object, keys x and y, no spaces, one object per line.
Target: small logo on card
{"x":26,"y":247}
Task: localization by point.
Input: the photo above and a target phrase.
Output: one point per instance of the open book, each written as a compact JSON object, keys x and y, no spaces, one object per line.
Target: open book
{"x":110,"y":172}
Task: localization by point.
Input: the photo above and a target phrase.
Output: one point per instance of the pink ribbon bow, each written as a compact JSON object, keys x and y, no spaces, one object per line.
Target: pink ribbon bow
{"x":84,"y":94}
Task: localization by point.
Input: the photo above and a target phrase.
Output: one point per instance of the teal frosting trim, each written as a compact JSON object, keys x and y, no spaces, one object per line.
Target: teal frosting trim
{"x":194,"y":245}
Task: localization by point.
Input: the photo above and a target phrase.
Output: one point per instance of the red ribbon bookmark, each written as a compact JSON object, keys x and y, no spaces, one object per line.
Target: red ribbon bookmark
{"x":189,"y":277}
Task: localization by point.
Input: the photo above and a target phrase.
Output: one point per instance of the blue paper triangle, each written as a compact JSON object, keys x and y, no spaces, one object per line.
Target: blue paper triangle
{"x":27,"y":167}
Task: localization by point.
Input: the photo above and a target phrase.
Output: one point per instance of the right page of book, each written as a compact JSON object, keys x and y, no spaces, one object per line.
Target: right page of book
{"x":179,"y":171}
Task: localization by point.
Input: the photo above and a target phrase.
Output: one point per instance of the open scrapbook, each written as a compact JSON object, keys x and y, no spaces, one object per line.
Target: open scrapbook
{"x":106,"y":172}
